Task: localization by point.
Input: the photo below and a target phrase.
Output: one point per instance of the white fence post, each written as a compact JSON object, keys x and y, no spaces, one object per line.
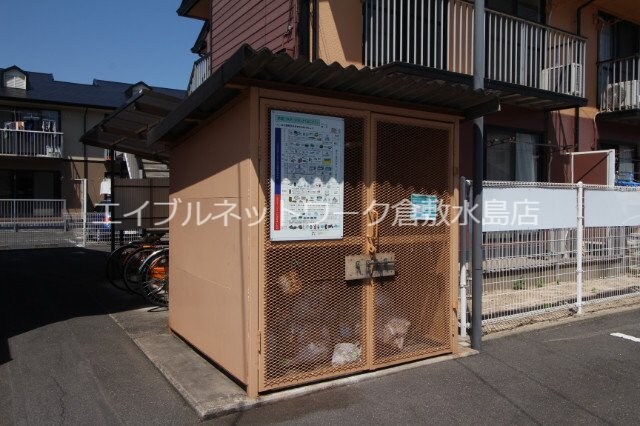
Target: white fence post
{"x":14,"y":216}
{"x":84,"y":212}
{"x":63,"y":215}
{"x":579,"y":249}
{"x":464,"y":227}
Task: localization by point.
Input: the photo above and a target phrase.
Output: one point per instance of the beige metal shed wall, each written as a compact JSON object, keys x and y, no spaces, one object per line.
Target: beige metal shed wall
{"x":208,"y":262}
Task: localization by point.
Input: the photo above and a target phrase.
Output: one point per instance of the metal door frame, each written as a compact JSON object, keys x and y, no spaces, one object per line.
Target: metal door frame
{"x":369,"y":152}
{"x":453,"y":258}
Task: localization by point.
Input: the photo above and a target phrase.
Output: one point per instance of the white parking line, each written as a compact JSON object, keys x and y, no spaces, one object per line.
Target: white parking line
{"x":626,"y":336}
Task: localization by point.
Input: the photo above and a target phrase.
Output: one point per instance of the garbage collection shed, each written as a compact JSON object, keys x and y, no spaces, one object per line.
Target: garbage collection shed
{"x":308,"y":241}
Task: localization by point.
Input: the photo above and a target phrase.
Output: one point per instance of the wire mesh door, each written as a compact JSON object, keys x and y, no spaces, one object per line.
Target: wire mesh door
{"x":310,"y":312}
{"x":412,"y":309}
{"x":316,"y":324}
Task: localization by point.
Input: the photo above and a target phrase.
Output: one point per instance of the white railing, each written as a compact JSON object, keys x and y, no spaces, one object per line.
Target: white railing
{"x":533,"y":55}
{"x":619,"y":84}
{"x":200,"y":73}
{"x":583,"y":250}
{"x":32,"y":214}
{"x":439,"y":34}
{"x":28,"y":143}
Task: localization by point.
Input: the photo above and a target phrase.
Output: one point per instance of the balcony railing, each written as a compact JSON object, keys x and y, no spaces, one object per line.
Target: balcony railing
{"x":200,"y":72}
{"x":439,"y":34}
{"x":28,"y":143}
{"x":619,"y":84}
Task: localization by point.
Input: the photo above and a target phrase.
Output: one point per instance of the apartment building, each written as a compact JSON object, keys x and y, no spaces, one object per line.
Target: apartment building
{"x":41,"y":122}
{"x":566,"y":72}
{"x":360,"y":104}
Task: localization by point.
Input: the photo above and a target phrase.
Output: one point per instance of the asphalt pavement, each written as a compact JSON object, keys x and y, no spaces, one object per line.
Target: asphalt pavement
{"x":574,"y":373}
{"x":63,"y":360}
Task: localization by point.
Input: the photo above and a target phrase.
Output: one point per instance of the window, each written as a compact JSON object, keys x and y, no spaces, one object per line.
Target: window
{"x":513,"y":156}
{"x":617,"y":38}
{"x":531,"y":10}
{"x":29,"y":184}
{"x":39,"y":120}
{"x":626,"y":159}
{"x":6,"y":184}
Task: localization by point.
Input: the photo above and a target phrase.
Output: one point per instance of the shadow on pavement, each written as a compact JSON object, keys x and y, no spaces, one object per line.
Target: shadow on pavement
{"x":45,"y":286}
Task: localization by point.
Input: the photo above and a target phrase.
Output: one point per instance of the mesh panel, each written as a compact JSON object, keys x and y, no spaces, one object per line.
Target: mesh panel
{"x":309,"y":307}
{"x":412,"y":309}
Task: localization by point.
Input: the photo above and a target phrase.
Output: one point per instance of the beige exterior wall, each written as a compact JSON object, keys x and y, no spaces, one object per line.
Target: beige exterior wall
{"x":73,"y":126}
{"x":340,"y":38}
{"x":208,"y":301}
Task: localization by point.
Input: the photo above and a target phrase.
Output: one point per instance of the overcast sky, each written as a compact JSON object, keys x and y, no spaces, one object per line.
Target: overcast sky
{"x":120,"y":40}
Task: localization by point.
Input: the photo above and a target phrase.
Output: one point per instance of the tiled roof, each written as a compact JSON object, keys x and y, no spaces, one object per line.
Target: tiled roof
{"x":43,"y":88}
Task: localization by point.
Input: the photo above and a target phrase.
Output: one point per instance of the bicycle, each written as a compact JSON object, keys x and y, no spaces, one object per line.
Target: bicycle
{"x":155,"y":278}
{"x":118,"y":259}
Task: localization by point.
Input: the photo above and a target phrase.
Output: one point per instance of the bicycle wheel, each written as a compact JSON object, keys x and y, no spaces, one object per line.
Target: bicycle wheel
{"x":131,"y":272}
{"x":155,"y":278}
{"x":115,"y":265}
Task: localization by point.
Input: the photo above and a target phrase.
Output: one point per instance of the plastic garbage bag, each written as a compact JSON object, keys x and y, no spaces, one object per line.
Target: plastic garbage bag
{"x":394,"y":332}
{"x":312,"y":343}
{"x":345,"y":353}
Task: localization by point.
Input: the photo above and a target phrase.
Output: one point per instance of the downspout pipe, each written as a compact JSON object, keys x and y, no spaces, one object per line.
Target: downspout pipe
{"x":304,"y":28}
{"x":576,"y":124}
{"x":579,"y":16}
{"x":316,"y":30}
{"x":478,"y":176}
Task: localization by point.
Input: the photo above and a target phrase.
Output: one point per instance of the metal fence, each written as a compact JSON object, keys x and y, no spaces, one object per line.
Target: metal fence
{"x":39,"y":213}
{"x":200,"y":73}
{"x":619,"y":84}
{"x":26,"y":224}
{"x":582,"y":249}
{"x":28,"y":143}
{"x":439,"y":34}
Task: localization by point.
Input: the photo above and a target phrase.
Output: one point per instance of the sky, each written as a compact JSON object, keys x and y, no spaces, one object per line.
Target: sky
{"x":119,"y":40}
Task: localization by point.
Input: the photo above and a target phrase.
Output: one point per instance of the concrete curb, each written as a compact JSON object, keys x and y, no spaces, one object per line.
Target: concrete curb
{"x":207,"y":390}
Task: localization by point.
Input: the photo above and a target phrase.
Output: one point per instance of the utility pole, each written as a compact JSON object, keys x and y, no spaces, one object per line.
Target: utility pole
{"x":478,"y":176}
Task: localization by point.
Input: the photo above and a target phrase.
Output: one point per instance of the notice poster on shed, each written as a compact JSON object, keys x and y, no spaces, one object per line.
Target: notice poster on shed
{"x":307,"y":177}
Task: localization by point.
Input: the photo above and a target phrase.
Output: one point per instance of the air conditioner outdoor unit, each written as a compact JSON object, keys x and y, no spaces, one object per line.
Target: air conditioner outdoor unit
{"x":565,"y":79}
{"x":623,"y":95}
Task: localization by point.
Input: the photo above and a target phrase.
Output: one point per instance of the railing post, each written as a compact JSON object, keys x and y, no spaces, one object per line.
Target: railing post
{"x":579,"y":249}
{"x":63,"y":212}
{"x":14,"y":215}
{"x":84,"y":212}
{"x":464,"y":227}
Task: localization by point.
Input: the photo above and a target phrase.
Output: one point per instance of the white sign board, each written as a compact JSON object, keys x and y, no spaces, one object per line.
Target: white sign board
{"x":611,"y":208}
{"x":521,"y":209}
{"x":307,"y":177}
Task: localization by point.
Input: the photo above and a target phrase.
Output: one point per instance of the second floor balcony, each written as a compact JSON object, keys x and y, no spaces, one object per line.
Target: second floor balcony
{"x":619,"y":85}
{"x":438,"y":35}
{"x":28,"y":143}
{"x":200,"y":72}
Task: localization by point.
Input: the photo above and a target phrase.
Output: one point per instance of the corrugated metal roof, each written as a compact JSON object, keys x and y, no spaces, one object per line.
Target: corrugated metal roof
{"x":126,"y":128}
{"x":264,"y":68}
{"x":509,"y":94}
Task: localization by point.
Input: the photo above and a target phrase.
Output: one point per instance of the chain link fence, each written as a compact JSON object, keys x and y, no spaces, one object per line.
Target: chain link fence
{"x":568,"y":248}
{"x":28,"y":224}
